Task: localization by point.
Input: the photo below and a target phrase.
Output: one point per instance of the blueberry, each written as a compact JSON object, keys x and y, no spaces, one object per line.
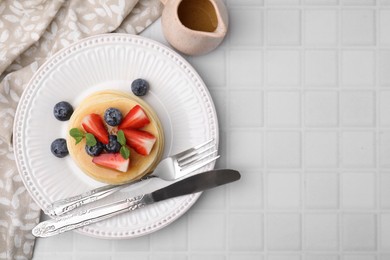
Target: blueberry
{"x":63,"y":110}
{"x":113,"y":116}
{"x":113,"y":146}
{"x":58,"y":148}
{"x":139,"y":87}
{"x":94,"y":150}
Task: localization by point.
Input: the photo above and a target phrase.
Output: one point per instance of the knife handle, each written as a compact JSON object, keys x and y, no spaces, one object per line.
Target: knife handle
{"x":72,"y":221}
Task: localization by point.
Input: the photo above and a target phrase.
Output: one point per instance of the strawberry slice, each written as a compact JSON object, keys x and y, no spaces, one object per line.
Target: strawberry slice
{"x":135,"y":118}
{"x":141,"y":141}
{"x":113,"y":161}
{"x":93,"y":124}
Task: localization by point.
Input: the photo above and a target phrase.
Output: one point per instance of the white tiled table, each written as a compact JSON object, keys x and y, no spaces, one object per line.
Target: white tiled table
{"x":302,"y":90}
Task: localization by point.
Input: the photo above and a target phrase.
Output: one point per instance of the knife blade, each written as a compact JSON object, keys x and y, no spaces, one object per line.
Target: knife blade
{"x":196,"y":183}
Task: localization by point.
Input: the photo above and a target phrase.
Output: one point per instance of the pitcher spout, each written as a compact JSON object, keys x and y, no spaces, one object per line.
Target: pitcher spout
{"x":223,"y":19}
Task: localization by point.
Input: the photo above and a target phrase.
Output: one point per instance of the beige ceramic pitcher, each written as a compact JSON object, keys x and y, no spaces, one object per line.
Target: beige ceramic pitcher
{"x":194,"y":27}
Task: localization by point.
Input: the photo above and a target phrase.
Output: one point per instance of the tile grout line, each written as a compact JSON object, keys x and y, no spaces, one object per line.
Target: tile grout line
{"x":302,"y":131}
{"x":377,"y":130}
{"x":339,"y":132}
{"x":265,"y":132}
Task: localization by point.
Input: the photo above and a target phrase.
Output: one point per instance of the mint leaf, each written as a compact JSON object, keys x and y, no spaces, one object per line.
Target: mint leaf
{"x":78,"y":135}
{"x":121,"y":138}
{"x":78,"y":139}
{"x":125,"y":152}
{"x":90,"y":139}
{"x":75,"y":132}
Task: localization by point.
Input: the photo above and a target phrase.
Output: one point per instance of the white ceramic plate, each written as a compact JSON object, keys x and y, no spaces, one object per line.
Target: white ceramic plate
{"x":110,"y":61}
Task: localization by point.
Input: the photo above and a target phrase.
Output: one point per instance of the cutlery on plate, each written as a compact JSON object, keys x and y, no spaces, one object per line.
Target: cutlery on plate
{"x":171,"y":168}
{"x":192,"y":184}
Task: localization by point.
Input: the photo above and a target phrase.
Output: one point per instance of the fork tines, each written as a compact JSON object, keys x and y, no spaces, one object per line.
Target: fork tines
{"x":197,"y":157}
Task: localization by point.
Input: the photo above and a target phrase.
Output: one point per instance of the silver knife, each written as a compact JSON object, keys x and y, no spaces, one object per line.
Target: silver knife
{"x":193,"y":184}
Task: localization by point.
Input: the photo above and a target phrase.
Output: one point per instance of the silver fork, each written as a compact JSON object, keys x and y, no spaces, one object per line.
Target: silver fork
{"x":171,"y":168}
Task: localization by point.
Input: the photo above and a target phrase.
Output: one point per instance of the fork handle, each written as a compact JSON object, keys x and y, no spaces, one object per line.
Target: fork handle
{"x":63,"y":206}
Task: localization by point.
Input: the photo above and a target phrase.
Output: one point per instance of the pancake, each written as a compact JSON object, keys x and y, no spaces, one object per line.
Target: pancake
{"x":139,"y":165}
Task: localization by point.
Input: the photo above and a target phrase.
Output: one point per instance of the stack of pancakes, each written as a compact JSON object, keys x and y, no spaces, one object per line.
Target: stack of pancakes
{"x":139,"y":165}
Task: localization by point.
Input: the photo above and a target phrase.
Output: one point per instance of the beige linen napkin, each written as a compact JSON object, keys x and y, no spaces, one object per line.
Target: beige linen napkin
{"x":30,"y":32}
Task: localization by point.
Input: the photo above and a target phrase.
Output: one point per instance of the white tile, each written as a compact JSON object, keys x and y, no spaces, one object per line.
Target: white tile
{"x":359,"y":257}
{"x":245,"y":232}
{"x":245,"y":256}
{"x":358,"y":27}
{"x":283,"y":27}
{"x":60,"y":243}
{"x":384,"y":189}
{"x":320,"y":27}
{"x":384,"y":148}
{"x":238,"y":147}
{"x":384,"y":108}
{"x":214,"y":199}
{"x":320,"y":2}
{"x":245,"y":2}
{"x":92,"y":256}
{"x":155,"y":32}
{"x":282,"y":2}
{"x":359,"y":232}
{"x":384,"y":257}
{"x":248,"y":192}
{"x":172,"y":238}
{"x":357,"y":108}
{"x":321,"y":108}
{"x":283,"y":232}
{"x":283,"y":190}
{"x":384,"y":21}
{"x":245,"y":68}
{"x":321,"y":190}
{"x":384,"y":231}
{"x":282,"y":68}
{"x":321,"y":232}
{"x":321,"y":149}
{"x":134,"y":245}
{"x":320,"y":68}
{"x":357,"y":68}
{"x":207,"y":231}
{"x":321,"y":257}
{"x":42,"y":255}
{"x":383,"y":65}
{"x":358,"y":2}
{"x":245,"y":27}
{"x":246,"y":108}
{"x":222,"y":149}
{"x":358,"y":149}
{"x":167,"y":256}
{"x":358,"y":190}
{"x":211,"y":67}
{"x":283,"y":108}
{"x":283,"y":149}
{"x":85,"y":243}
{"x":283,"y":257}
{"x":383,"y":2}
{"x":211,"y":256}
